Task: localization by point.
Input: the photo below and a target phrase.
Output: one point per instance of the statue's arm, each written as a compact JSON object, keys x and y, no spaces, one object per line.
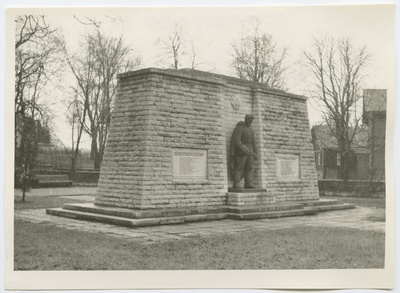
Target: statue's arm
{"x":238,"y":141}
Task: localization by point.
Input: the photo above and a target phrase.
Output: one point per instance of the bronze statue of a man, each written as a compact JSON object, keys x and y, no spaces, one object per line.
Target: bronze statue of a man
{"x":243,"y":152}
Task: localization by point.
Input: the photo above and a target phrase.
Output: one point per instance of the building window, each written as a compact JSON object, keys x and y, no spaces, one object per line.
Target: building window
{"x":338,"y":160}
{"x":317,"y":157}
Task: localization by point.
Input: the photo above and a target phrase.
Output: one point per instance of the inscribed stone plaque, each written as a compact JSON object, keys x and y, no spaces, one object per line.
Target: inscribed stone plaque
{"x":287,"y":167}
{"x":189,"y":164}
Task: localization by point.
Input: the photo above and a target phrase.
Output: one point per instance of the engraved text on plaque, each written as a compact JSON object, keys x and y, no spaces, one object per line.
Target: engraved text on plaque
{"x":189,"y":164}
{"x":287,"y":167}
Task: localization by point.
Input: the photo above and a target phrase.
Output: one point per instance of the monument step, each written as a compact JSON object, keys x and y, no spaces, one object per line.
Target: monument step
{"x":264,"y":208}
{"x":252,"y":197}
{"x":100,"y":218}
{"x":127,"y":222}
{"x":275,"y":214}
{"x":320,"y":202}
{"x":246,"y":190}
{"x":124,"y":217}
{"x":143,"y":214}
{"x":333,"y":207}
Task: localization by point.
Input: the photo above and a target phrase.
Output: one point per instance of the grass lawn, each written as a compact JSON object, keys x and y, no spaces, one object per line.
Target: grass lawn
{"x":44,"y":202}
{"x":46,"y":247}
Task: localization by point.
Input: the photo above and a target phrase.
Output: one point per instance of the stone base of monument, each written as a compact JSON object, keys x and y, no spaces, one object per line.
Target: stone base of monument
{"x":247,"y":197}
{"x":141,"y":218}
{"x":287,"y":209}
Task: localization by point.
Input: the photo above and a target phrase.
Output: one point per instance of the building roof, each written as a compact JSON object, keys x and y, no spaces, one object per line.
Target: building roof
{"x":324,"y":139}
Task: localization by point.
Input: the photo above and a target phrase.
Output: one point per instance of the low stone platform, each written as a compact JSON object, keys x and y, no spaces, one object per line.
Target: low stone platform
{"x":141,"y":218}
{"x":245,"y":197}
{"x":246,"y":190}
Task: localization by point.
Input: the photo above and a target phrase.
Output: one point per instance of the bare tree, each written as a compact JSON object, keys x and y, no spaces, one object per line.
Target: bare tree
{"x":36,"y":51}
{"x":256,"y":57}
{"x":195,"y":56}
{"x":76,"y":117}
{"x":90,"y":21}
{"x":30,"y":28}
{"x":178,"y":51}
{"x":337,"y":68}
{"x":95,"y":69}
{"x":36,"y":64}
{"x":172,"y":47}
{"x":84,"y":70}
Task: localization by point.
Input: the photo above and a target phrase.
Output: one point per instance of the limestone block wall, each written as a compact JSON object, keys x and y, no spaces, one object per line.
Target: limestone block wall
{"x":158,"y":111}
{"x":281,"y":126}
{"x":121,"y":176}
{"x":286,"y":132}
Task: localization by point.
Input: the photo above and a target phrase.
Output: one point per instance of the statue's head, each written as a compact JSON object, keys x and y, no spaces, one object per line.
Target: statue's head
{"x":248,"y":119}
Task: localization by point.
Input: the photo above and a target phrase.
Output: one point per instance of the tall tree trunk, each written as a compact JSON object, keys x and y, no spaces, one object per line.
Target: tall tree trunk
{"x":94,"y":152}
{"x":24,"y":182}
{"x":97,"y":162}
{"x":76,"y":151}
{"x":73,"y":166}
{"x":344,"y":168}
{"x":93,"y":146}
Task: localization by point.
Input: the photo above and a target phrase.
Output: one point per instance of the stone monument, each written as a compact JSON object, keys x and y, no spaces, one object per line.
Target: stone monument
{"x":169,"y":147}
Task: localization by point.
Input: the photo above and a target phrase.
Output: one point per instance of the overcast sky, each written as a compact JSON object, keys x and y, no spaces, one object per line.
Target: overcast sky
{"x":214,"y":29}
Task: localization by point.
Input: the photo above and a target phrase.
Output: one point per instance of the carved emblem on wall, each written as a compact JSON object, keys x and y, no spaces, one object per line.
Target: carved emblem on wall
{"x":235,"y":102}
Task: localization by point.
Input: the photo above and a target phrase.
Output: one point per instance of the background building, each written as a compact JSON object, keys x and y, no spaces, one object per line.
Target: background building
{"x":327,"y":155}
{"x":374,"y":117}
{"x":368,"y":148}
